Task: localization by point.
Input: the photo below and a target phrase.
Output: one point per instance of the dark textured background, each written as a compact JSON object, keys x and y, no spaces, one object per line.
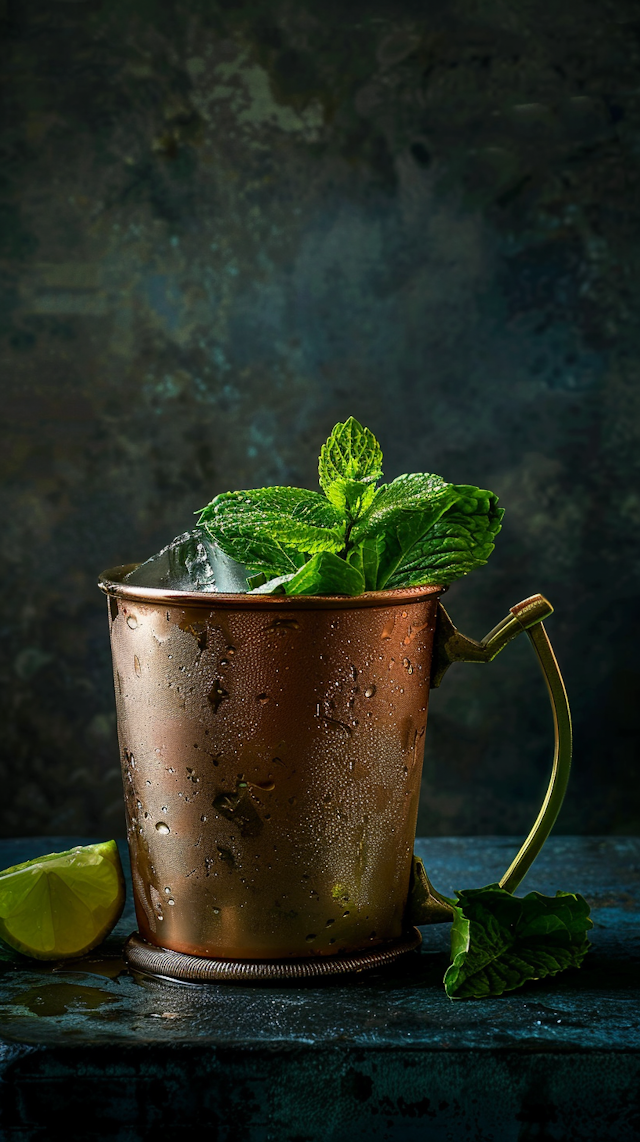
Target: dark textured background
{"x":227,"y":225}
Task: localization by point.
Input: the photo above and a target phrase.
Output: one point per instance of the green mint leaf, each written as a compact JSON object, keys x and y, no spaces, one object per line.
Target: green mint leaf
{"x":499,"y":941}
{"x":352,"y":453}
{"x":325,"y":574}
{"x":274,"y":528}
{"x":350,"y":497}
{"x":458,"y":542}
{"x":370,"y":553}
{"x":400,"y":515}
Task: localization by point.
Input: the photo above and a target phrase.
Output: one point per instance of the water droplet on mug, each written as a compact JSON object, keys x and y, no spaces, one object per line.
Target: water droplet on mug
{"x":171,"y":900}
{"x":216,"y":911}
{"x":136,"y":665}
{"x":132,"y":622}
{"x":263,"y":699}
{"x":312,"y":936}
{"x":163,"y":828}
{"x":370,"y":691}
{"x":168,"y":891}
{"x":231,"y":650}
{"x":406,"y":663}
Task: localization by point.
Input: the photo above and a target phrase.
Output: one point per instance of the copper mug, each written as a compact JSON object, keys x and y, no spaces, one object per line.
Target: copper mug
{"x":271,"y":754}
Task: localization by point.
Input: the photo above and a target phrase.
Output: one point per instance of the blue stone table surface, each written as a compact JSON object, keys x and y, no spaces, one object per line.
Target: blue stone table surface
{"x":383,"y":1054}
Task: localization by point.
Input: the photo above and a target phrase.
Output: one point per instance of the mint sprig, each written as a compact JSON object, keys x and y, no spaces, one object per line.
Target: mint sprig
{"x":356,"y":536}
{"x":500,"y":941}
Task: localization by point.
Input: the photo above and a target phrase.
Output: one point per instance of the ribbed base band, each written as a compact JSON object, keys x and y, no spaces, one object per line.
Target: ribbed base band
{"x":165,"y":964}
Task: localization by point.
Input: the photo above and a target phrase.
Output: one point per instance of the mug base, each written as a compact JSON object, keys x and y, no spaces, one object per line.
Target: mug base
{"x":162,"y":963}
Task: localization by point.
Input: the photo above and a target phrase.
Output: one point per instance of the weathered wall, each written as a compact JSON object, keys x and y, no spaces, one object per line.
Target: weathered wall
{"x":227,"y":225}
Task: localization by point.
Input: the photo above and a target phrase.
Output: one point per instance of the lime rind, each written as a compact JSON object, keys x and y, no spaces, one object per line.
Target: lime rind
{"x":64,"y":904}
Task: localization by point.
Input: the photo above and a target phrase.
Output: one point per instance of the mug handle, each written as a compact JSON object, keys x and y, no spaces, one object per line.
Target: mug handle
{"x":452,"y":646}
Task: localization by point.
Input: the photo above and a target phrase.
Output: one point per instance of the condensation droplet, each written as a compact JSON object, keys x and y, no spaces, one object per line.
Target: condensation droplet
{"x":163,"y":828}
{"x":136,"y":665}
{"x":312,"y":936}
{"x":370,"y":691}
{"x":168,"y":891}
{"x":171,"y":900}
{"x":216,"y":911}
{"x":132,"y":621}
{"x":263,"y":699}
{"x":231,"y":650}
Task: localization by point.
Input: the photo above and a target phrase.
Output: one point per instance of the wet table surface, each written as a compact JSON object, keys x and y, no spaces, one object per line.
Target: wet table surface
{"x":381,"y":1055}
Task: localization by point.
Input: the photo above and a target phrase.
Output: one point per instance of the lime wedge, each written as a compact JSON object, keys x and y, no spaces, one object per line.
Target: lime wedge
{"x":62,"y":905}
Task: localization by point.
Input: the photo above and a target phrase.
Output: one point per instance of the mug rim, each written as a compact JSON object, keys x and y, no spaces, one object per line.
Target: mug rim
{"x":111,"y":583}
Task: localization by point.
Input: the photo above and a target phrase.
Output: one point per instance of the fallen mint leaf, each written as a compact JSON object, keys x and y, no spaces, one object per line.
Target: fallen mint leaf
{"x":500,"y":941}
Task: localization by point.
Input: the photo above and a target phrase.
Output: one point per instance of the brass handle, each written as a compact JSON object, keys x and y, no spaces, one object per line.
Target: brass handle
{"x":427,"y":906}
{"x":451,"y":646}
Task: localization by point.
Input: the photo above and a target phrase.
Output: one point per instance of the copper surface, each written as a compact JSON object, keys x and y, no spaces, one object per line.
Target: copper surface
{"x":151,"y":960}
{"x":271,"y":752}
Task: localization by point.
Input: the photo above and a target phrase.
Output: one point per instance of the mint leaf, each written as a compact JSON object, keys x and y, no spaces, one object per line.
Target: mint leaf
{"x":350,"y":497}
{"x":370,"y":550}
{"x":274,"y":529}
{"x":399,"y":516}
{"x":459,"y":541}
{"x":324,"y":574}
{"x":352,"y":453}
{"x":499,"y":941}
{"x":417,"y":530}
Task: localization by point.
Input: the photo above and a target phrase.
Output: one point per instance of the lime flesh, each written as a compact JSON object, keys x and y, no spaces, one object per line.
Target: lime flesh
{"x":63,"y":904}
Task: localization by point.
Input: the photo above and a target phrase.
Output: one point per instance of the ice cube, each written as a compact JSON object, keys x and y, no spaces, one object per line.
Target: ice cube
{"x":191,"y":562}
